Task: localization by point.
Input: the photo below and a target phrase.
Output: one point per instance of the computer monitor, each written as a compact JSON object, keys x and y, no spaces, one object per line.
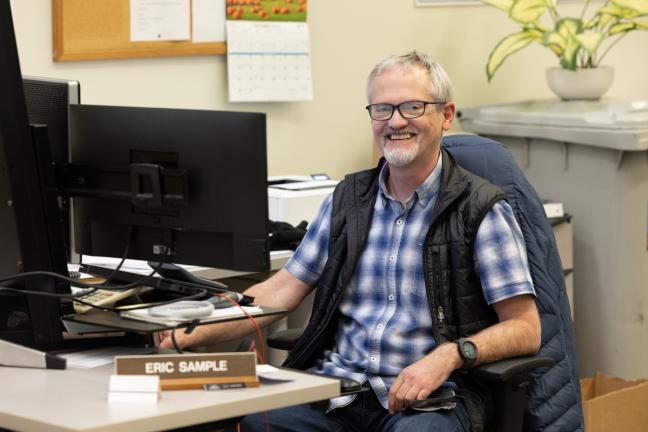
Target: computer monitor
{"x":189,"y":186}
{"x":30,"y":230}
{"x":48,"y":101}
{"x":180,"y":185}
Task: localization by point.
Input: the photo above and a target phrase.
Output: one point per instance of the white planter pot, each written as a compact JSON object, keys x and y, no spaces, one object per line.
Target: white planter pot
{"x":588,"y":84}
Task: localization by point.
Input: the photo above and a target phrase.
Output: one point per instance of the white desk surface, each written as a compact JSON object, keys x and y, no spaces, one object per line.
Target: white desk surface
{"x":76,"y":400}
{"x":277,"y":260}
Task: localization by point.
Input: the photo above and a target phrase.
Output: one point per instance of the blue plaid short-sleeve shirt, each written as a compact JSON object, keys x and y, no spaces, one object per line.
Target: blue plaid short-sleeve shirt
{"x":385,"y":323}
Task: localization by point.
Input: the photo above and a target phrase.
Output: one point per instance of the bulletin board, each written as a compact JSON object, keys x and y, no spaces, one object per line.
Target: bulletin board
{"x":100,"y":29}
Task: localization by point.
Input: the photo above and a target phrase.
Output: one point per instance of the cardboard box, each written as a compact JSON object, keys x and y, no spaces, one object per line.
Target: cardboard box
{"x":612,"y":404}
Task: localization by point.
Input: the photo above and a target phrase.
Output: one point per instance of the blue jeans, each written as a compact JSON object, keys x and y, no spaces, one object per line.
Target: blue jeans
{"x":365,"y":413}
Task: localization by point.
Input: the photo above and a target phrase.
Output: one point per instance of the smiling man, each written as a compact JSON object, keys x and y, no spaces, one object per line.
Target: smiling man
{"x":420,"y":268}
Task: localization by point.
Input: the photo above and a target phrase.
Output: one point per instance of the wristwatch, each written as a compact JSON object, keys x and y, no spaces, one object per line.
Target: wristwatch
{"x":467,"y":351}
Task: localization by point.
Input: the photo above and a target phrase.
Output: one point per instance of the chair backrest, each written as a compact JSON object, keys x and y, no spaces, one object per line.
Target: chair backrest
{"x":554,"y":402}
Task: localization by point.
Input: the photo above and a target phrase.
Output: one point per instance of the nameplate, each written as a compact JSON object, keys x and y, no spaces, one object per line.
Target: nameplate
{"x":192,"y":371}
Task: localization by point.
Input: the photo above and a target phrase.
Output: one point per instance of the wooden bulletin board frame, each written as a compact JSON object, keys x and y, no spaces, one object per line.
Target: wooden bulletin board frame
{"x":100,"y":29}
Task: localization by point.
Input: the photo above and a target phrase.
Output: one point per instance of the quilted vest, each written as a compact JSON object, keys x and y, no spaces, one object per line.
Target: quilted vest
{"x":455,"y":297}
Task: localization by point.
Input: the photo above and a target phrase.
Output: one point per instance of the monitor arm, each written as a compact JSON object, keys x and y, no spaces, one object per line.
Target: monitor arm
{"x":146,"y":185}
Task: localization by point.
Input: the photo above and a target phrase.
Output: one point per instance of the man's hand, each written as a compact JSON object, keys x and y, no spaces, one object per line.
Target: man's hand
{"x":195,"y":338}
{"x":282,"y":290}
{"x":418,"y":380}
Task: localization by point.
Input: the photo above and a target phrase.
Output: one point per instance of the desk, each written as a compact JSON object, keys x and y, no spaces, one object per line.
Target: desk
{"x":277,"y":260}
{"x":76,"y":400}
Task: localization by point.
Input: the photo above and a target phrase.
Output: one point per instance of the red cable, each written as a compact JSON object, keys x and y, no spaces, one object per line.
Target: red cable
{"x":260,"y":355}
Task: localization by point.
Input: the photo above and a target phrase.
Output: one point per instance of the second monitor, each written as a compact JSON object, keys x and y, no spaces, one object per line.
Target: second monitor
{"x":189,"y":184}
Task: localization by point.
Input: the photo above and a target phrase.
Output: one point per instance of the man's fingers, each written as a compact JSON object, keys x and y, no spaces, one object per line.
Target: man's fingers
{"x":405,"y":395}
{"x":161,"y":335}
{"x":411,"y":395}
{"x":422,"y":394}
{"x":167,"y":342}
{"x":401,"y":394}
{"x":391,"y":397}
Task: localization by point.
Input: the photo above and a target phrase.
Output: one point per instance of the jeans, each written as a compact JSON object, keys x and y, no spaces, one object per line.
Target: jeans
{"x":365,"y":413}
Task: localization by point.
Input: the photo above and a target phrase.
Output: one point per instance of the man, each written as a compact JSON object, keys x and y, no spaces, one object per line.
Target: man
{"x":420,"y":269}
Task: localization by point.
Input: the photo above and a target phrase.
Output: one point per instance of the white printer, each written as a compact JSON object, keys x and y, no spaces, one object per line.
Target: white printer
{"x":294,"y":198}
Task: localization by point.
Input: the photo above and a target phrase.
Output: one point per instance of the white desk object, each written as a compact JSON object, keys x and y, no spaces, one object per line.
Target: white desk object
{"x":294,"y":198}
{"x":75,"y":400}
{"x":134,"y":389}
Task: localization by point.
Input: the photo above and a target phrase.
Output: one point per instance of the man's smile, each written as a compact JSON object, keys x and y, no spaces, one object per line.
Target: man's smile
{"x":400,"y":135}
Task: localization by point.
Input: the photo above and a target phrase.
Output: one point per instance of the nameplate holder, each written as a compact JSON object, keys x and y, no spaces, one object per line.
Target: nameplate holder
{"x":193,"y":371}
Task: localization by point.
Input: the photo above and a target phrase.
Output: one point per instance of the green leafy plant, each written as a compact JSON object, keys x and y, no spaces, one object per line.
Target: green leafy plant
{"x":575,"y":41}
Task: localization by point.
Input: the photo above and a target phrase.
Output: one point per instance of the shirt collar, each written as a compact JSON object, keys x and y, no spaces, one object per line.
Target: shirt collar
{"x":426,"y":191}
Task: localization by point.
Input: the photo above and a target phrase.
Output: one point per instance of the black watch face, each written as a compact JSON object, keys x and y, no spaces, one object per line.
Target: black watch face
{"x":469,"y":349}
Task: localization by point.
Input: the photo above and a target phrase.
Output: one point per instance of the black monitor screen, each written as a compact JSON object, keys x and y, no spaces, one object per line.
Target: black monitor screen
{"x":191,"y":183}
{"x":48,"y":101}
{"x":30,"y":227}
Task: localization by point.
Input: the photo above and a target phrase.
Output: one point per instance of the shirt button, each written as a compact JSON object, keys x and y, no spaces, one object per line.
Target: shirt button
{"x":373,"y":359}
{"x":399,"y":222}
{"x":392,"y":258}
{"x":379,"y":326}
{"x":391,"y":297}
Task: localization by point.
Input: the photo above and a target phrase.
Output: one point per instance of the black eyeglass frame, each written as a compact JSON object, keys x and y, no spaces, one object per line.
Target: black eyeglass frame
{"x":397,"y":107}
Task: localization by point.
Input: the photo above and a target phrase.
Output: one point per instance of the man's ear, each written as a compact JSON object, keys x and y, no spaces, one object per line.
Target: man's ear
{"x":449,"y":110}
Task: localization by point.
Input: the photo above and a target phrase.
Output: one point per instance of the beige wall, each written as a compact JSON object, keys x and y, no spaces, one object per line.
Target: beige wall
{"x":331,"y":133}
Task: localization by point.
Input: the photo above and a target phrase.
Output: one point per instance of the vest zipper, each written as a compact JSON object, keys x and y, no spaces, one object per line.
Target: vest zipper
{"x":436,"y":265}
{"x":434,"y":298}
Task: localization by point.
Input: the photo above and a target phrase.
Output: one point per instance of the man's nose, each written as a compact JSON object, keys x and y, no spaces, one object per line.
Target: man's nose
{"x":397,"y":121}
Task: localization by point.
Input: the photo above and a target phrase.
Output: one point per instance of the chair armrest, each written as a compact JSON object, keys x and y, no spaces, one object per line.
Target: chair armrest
{"x":505,"y":370}
{"x":284,"y":339}
{"x":509,"y":380}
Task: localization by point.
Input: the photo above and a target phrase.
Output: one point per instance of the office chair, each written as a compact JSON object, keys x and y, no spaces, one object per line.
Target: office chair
{"x":554,"y":367}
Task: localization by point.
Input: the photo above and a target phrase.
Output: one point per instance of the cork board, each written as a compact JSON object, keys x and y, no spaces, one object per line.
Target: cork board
{"x":100,"y":29}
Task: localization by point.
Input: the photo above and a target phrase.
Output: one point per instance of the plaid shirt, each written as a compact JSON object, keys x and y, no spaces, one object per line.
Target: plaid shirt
{"x":385,"y":323}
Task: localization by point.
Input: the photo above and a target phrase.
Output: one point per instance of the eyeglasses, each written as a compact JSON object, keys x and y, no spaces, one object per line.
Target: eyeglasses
{"x":407,"y":110}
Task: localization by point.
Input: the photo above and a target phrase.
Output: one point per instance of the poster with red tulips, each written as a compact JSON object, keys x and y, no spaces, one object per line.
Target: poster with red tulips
{"x":272,"y":10}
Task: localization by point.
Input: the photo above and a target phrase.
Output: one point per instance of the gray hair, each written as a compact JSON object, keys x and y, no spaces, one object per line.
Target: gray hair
{"x":439,"y":85}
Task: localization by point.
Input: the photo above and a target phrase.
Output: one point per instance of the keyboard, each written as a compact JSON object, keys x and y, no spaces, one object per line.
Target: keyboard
{"x":100,"y":297}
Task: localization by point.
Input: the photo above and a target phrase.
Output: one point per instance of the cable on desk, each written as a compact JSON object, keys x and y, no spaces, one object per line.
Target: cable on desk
{"x":76,"y":282}
{"x":200,"y":293}
{"x":260,"y":355}
{"x":190,"y":328}
{"x":26,"y":275}
{"x":121,"y":263}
